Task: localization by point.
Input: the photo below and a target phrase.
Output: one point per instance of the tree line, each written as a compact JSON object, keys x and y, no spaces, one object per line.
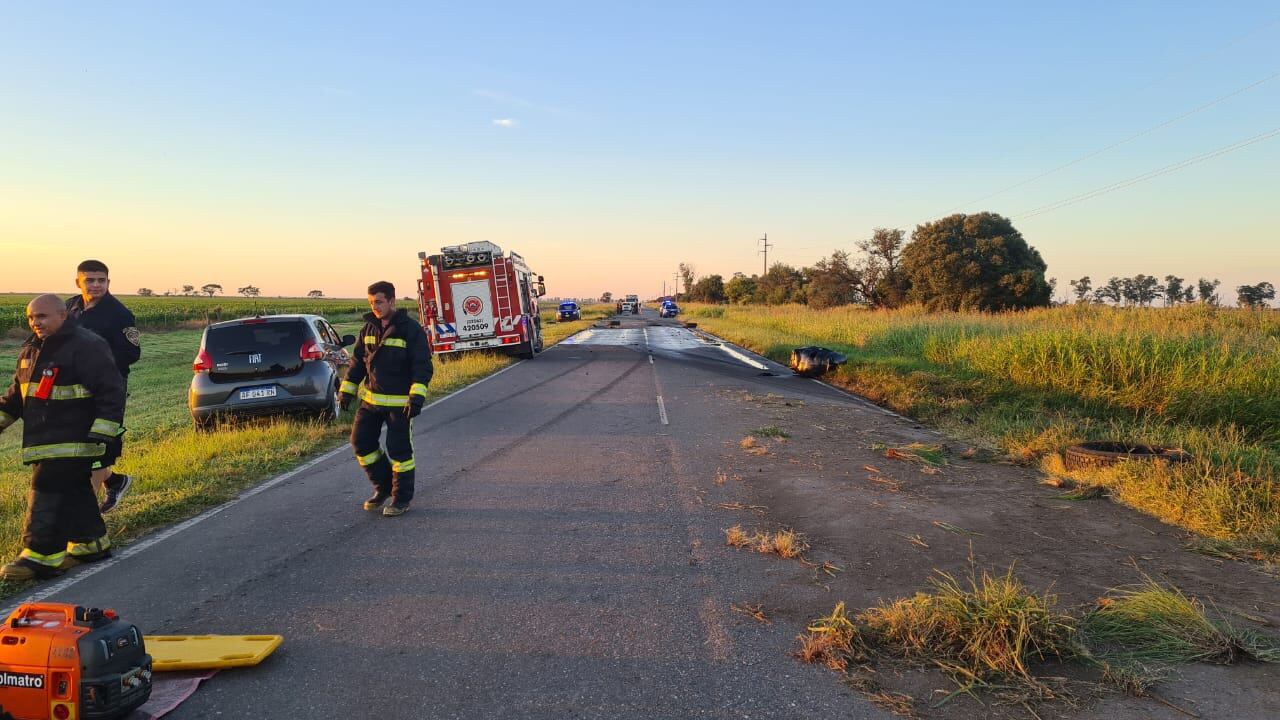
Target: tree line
{"x":960,"y":262}
{"x":211,"y":289}
{"x":1143,"y":290}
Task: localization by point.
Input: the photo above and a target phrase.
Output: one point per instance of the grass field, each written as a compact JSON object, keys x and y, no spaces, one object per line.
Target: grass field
{"x":1204,"y":379}
{"x":179,"y":471}
{"x":193,"y":311}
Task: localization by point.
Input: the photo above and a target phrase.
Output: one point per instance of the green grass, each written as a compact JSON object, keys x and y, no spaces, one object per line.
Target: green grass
{"x":1030,"y":383}
{"x":178,"y":471}
{"x":193,"y":311}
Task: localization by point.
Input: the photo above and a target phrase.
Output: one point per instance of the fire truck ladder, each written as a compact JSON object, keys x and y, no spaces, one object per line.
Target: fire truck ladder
{"x":502,"y":284}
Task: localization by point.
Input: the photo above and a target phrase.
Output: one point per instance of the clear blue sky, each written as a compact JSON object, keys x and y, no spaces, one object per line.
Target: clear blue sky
{"x":607,"y":142}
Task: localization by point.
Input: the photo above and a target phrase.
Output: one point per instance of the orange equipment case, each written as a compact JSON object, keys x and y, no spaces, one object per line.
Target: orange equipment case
{"x":71,"y":663}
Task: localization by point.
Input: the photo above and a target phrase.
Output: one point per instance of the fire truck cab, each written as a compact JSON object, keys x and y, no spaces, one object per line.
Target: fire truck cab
{"x":476,"y":297}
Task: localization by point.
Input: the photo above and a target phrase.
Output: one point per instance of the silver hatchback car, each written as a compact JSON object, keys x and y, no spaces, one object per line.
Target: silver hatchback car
{"x":268,"y":365}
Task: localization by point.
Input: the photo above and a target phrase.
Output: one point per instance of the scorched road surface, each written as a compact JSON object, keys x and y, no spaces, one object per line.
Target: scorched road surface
{"x":561,"y":560}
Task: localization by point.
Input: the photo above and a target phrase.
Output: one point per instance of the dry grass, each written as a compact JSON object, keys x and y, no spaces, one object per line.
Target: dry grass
{"x":755,"y":612}
{"x":990,"y":632}
{"x":990,"y":627}
{"x":832,"y":641}
{"x":932,"y":456}
{"x":747,"y":442}
{"x":784,"y":543}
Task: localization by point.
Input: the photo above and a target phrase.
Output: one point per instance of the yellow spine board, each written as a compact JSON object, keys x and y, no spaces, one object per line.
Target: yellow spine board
{"x":209,"y":652}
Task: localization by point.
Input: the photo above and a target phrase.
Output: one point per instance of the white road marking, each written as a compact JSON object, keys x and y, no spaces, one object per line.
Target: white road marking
{"x":742,"y":357}
{"x":89,"y":571}
{"x":662,"y":411}
{"x":650,"y":359}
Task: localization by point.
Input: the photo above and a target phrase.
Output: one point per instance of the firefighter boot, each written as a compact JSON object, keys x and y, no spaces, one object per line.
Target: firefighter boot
{"x":79,"y":553}
{"x":25,"y":569}
{"x":402,"y":488}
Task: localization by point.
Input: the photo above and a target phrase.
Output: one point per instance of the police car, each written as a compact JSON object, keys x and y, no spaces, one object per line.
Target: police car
{"x":669,"y":309}
{"x":569,"y":310}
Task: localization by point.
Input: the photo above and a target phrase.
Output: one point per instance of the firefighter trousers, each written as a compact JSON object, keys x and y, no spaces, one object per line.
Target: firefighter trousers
{"x":391,"y":472}
{"x":62,"y":513}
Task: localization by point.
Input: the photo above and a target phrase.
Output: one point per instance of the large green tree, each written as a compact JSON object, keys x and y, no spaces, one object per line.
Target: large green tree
{"x":833,"y":281}
{"x":740,"y":289}
{"x":708,"y":289}
{"x":973,"y":262}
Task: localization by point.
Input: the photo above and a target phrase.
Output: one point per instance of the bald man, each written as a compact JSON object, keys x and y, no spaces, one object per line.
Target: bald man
{"x":70,"y":398}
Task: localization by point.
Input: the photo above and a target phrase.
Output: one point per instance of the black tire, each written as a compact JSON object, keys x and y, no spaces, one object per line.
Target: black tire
{"x":1096,"y":455}
{"x":332,"y":407}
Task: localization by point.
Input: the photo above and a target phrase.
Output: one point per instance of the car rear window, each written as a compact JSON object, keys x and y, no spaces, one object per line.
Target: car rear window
{"x":264,"y":337}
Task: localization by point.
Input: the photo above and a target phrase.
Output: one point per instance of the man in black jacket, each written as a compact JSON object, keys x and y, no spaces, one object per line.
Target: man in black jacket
{"x":70,"y":398}
{"x":96,"y":309}
{"x":393,"y":361}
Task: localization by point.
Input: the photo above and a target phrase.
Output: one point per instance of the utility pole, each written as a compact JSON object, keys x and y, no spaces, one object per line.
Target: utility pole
{"x":765,"y":241}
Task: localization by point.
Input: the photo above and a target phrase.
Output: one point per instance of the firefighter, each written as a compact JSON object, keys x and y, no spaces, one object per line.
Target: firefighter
{"x":96,"y":309}
{"x":70,"y":398}
{"x":393,"y":360}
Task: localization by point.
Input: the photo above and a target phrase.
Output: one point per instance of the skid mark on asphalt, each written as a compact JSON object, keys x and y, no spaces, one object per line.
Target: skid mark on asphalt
{"x":718,"y":642}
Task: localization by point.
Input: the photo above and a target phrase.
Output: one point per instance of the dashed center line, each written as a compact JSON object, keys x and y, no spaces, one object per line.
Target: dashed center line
{"x":662,"y":411}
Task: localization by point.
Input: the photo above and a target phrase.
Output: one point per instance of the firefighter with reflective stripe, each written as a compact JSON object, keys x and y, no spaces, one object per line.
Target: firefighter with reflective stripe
{"x":70,"y":398}
{"x":96,"y":309}
{"x":390,"y":372}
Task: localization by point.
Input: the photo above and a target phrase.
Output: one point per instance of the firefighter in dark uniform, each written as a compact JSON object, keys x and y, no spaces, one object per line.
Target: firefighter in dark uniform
{"x":96,"y":309}
{"x":70,"y":398}
{"x":393,"y":361}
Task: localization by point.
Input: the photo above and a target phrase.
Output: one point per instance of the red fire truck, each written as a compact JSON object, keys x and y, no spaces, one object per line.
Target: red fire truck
{"x":476,"y":297}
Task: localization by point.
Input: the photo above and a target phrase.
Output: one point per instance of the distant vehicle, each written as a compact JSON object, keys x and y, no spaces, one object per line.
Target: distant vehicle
{"x":669,"y":309}
{"x":569,"y":311}
{"x":267,"y":365}
{"x":475,"y":296}
{"x":628,"y":307}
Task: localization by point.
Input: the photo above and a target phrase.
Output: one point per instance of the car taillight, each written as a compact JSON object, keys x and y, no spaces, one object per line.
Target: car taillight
{"x":203,"y":362}
{"x":311,"y":351}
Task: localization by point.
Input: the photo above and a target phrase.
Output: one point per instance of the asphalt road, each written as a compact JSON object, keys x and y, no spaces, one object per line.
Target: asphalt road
{"x":559,"y":561}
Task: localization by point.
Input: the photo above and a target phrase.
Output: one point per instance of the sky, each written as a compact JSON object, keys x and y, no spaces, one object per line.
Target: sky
{"x":298,"y":146}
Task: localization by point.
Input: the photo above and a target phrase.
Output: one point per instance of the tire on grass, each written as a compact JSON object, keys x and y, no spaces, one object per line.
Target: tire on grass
{"x":1103,"y":454}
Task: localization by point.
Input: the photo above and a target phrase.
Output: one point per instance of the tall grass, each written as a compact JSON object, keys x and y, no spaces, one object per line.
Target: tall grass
{"x":177,"y":312}
{"x":1201,"y":378}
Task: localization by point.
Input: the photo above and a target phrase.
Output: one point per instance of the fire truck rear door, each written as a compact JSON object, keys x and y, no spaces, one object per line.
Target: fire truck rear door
{"x":473,"y":309}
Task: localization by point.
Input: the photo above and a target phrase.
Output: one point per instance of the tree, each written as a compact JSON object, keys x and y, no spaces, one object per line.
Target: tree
{"x":880,"y":281}
{"x":973,"y":262}
{"x":247,"y":291}
{"x":316,"y":294}
{"x":833,"y":281}
{"x":1189,"y":294}
{"x":145,"y":292}
{"x":782,"y":284}
{"x":1140,"y":290}
{"x":708,"y":289}
{"x":210,"y":288}
{"x":1112,"y":292}
{"x":1081,"y":289}
{"x":1173,"y":290}
{"x":1209,"y":291}
{"x":188,"y":289}
{"x":740,"y":289}
{"x":687,"y":276}
{"x":1255,"y":296}
{"x":608,"y":297}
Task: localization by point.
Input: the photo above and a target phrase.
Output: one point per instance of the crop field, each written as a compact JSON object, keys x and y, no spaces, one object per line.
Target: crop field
{"x":1030,"y":383}
{"x":180,"y":472}
{"x":194,"y":311}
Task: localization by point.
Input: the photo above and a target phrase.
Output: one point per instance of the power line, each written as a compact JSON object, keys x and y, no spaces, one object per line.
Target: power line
{"x":1115,"y":145}
{"x":1149,"y":175}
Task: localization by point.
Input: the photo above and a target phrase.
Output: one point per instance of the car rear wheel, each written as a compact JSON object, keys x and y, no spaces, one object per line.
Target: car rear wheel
{"x":333,"y":408}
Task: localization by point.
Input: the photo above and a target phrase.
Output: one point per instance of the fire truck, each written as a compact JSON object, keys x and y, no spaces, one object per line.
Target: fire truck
{"x":474,"y":296}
